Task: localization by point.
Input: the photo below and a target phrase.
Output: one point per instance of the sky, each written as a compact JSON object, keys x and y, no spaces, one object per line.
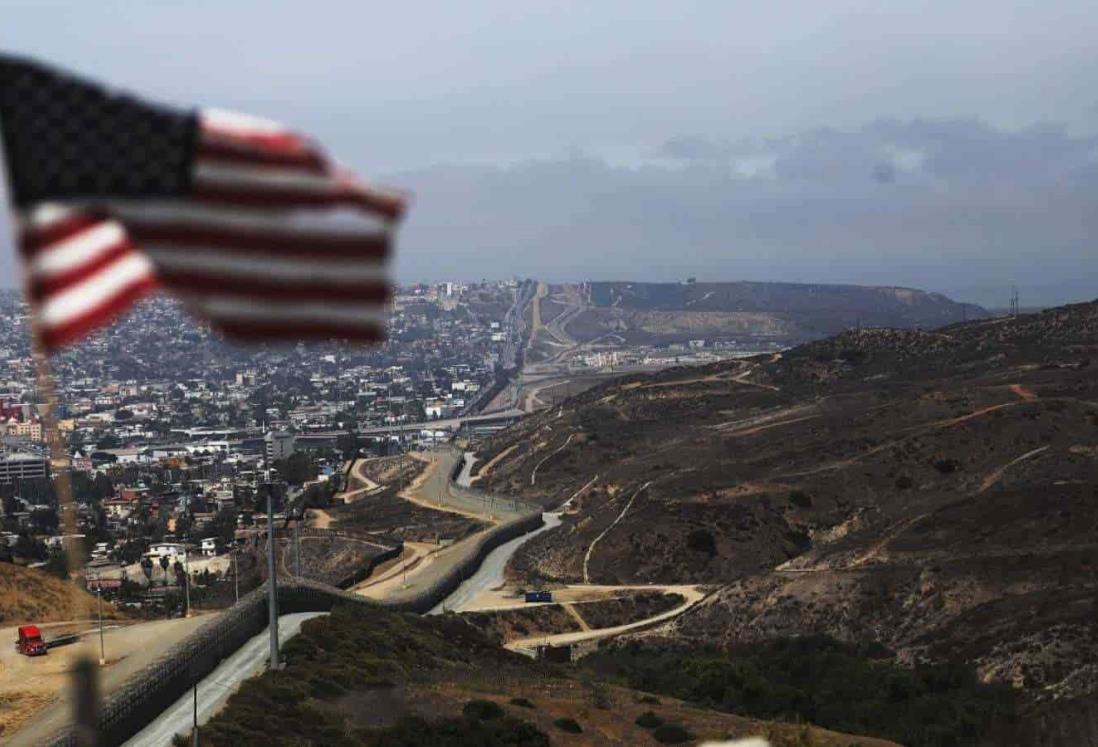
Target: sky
{"x":943,"y":145}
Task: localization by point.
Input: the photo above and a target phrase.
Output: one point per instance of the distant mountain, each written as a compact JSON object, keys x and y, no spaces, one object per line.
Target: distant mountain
{"x":934,"y":491}
{"x":786,"y":312}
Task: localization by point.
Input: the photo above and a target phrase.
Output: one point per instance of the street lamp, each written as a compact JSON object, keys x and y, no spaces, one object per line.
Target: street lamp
{"x":99,"y":600}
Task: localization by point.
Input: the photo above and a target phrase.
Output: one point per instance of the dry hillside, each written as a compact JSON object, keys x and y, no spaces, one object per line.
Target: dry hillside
{"x":29,"y":595}
{"x":932,"y":491}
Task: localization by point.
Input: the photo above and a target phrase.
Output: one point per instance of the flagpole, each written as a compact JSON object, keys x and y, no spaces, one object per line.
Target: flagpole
{"x":84,"y":672}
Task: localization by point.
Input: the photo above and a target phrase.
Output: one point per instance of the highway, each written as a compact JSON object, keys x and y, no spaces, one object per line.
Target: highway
{"x":444,"y":424}
{"x":248,"y":661}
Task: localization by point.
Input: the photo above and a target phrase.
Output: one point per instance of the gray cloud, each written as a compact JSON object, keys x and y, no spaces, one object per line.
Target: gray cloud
{"x":952,"y":205}
{"x":774,"y":172}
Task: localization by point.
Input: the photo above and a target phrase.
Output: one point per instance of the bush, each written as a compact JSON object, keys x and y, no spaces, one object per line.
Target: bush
{"x":482,"y":710}
{"x":851,"y":688}
{"x":648,"y":720}
{"x":522,"y":703}
{"x":569,"y":725}
{"x":457,"y":732}
{"x":701,"y":540}
{"x":800,"y":499}
{"x":671,"y":734}
{"x":903,"y":482}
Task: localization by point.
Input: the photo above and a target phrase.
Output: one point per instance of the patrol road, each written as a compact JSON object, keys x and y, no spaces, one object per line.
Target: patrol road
{"x":248,"y":661}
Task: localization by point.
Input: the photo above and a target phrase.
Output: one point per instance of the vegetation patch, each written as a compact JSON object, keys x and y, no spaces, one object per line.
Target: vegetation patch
{"x":455,"y":732}
{"x":482,"y":710}
{"x":569,"y":725}
{"x":820,"y":681}
{"x":671,"y":734}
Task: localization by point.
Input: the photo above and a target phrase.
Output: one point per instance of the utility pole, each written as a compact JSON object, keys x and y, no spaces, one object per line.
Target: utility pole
{"x":272,"y":579}
{"x":99,"y":599}
{"x":236,"y":575}
{"x":297,"y":550}
{"x":187,"y":581}
{"x":194,"y":727}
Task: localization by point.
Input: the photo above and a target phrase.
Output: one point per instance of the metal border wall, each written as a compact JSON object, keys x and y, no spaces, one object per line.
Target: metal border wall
{"x":153,"y":689}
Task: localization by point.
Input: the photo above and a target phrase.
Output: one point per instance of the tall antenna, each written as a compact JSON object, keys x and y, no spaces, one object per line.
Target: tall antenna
{"x":1014,"y":300}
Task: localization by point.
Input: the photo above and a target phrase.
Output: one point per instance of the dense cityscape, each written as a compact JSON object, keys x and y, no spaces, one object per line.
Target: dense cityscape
{"x":170,"y":432}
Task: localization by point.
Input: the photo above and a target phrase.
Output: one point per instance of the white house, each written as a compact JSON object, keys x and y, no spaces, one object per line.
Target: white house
{"x":172,"y":550}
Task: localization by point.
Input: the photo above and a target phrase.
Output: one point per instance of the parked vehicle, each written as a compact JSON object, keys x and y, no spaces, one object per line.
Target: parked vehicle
{"x":539,"y":596}
{"x":30,"y":641}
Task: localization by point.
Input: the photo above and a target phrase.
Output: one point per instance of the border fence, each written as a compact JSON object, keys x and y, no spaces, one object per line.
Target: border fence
{"x":151,"y":690}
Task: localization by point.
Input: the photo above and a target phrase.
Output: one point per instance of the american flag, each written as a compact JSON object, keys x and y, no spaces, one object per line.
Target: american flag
{"x":248,"y":223}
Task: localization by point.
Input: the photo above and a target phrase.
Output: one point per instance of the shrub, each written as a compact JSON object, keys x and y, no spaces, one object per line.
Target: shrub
{"x":800,"y":499}
{"x":569,"y":725}
{"x":903,"y":482}
{"x":842,"y":686}
{"x":482,"y":710}
{"x":648,"y":720}
{"x":946,"y":466}
{"x":457,"y":732}
{"x":701,"y":540}
{"x":671,"y":734}
{"x":522,"y":703}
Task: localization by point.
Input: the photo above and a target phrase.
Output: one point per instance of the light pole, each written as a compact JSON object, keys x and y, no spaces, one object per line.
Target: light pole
{"x":187,"y":581}
{"x":297,"y":550}
{"x":99,"y":599}
{"x":194,"y":727}
{"x":272,"y":579}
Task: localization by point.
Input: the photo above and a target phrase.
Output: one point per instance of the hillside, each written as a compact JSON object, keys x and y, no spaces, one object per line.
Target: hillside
{"x":29,"y":595}
{"x":372,"y":677}
{"x":648,"y":313}
{"x":930,"y":491}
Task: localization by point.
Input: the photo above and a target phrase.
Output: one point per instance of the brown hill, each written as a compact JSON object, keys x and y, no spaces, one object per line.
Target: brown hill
{"x":28,"y":595}
{"x":933,"y":491}
{"x":787,"y":312}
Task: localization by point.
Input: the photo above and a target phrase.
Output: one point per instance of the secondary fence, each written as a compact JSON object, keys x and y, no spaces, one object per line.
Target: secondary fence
{"x":153,"y":689}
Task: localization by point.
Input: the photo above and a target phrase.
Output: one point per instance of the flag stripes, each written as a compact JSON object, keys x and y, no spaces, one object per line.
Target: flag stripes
{"x":270,"y":242}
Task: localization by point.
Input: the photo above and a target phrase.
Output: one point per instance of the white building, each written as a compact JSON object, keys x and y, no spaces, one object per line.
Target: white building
{"x":21,"y":466}
{"x":167,"y":549}
{"x":279,"y":445}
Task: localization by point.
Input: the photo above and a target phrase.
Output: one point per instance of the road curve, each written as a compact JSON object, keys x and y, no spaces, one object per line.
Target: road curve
{"x":490,"y":573}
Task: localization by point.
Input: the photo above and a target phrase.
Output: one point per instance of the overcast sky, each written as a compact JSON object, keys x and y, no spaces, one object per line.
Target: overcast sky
{"x":946,"y":145}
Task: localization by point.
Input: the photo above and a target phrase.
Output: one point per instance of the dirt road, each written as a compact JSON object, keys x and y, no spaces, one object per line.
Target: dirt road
{"x":691,"y":594}
{"x":34,"y":690}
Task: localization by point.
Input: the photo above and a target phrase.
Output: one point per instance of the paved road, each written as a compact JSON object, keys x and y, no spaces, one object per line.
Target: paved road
{"x":248,"y":661}
{"x":433,"y":489}
{"x":490,"y":573}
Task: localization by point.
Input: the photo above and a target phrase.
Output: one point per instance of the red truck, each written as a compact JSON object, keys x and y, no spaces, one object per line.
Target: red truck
{"x":30,"y":641}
